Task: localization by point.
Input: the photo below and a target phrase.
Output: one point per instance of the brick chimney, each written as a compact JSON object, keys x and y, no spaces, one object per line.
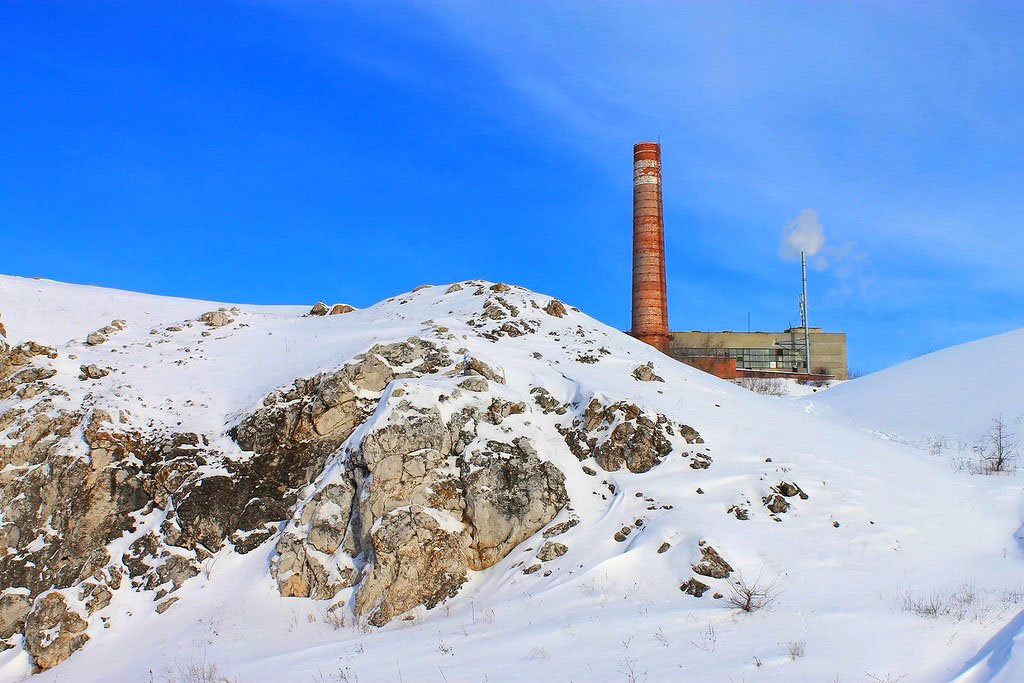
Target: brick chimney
{"x":650,"y":301}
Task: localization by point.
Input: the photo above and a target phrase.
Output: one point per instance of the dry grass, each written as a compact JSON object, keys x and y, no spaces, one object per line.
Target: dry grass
{"x":764,"y":385}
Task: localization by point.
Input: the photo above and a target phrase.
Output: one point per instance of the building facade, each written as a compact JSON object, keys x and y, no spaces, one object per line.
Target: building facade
{"x":765,"y":351}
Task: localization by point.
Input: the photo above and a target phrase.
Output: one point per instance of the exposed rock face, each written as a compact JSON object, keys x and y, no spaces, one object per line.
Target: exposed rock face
{"x":14,"y":607}
{"x":64,"y":498}
{"x":419,"y":501}
{"x":395,"y":475}
{"x":621,"y":434}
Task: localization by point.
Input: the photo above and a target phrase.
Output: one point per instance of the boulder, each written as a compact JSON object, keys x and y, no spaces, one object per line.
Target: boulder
{"x":53,"y":631}
{"x":694,"y":587}
{"x":551,"y":550}
{"x":218,"y":318}
{"x":645,"y":373}
{"x":14,"y":607}
{"x":319,"y":308}
{"x":93,"y":372}
{"x":95,"y":339}
{"x":712,"y":564}
{"x":776,"y":503}
{"x":338,"y":309}
{"x":555,"y":308}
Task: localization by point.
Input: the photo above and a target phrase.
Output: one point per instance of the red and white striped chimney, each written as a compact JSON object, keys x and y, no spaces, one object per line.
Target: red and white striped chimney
{"x":650,"y":300}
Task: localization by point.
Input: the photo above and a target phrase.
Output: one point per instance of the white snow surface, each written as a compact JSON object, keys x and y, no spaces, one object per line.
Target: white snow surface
{"x":953,"y":393}
{"x":884,"y":520}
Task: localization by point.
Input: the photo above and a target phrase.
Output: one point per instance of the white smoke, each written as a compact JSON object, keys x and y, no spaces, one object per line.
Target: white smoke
{"x":803,"y":233}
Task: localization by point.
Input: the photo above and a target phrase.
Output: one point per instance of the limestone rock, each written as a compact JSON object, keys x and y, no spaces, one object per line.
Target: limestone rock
{"x":218,"y":318}
{"x":14,"y":607}
{"x":166,"y":604}
{"x":555,"y":308}
{"x":476,"y":384}
{"x":560,"y":528}
{"x":712,"y":564}
{"x":694,"y":587}
{"x":422,"y":502}
{"x":551,"y":550}
{"x":789,"y":490}
{"x":645,"y":373}
{"x":53,"y":632}
{"x":776,"y":503}
{"x":92,"y":371}
{"x":621,"y":434}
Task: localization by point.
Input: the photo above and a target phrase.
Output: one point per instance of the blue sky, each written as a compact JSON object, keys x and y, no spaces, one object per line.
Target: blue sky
{"x":277,"y":152}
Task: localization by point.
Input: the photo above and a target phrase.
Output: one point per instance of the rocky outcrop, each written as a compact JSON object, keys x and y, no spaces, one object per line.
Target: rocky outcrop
{"x":319,"y":308}
{"x":622,"y":434}
{"x":338,"y":309}
{"x":65,"y":498}
{"x":418,"y":501}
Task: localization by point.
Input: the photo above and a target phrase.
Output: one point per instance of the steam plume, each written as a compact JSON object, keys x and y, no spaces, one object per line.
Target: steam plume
{"x":803,"y":233}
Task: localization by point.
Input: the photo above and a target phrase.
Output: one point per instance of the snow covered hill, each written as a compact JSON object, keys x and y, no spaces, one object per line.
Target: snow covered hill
{"x":953,"y":393}
{"x":467,"y":482}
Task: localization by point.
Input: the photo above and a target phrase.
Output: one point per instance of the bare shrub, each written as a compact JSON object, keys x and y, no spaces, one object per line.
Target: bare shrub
{"x":964,"y":602}
{"x":708,"y":639}
{"x":660,"y":636}
{"x":627,"y":667}
{"x":752,"y":596}
{"x":999,"y":448}
{"x":199,"y":671}
{"x":539,"y":653}
{"x":335,"y":619}
{"x":764,"y":385}
{"x":796,"y":649}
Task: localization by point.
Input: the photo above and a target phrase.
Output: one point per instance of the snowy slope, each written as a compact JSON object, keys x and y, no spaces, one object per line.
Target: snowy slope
{"x":53,"y":312}
{"x":953,"y":393}
{"x":882,"y":522}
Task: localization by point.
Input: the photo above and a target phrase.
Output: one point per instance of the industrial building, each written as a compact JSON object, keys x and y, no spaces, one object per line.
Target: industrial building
{"x":729,"y":354}
{"x":802,"y":352}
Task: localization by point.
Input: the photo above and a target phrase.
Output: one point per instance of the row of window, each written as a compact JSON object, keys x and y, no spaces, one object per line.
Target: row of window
{"x":754,"y":358}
